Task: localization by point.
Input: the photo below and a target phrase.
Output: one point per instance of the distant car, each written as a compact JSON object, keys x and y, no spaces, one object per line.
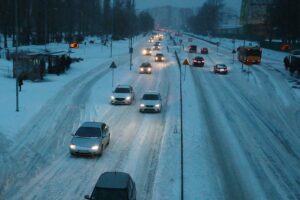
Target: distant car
{"x":159,"y":57}
{"x":192,"y":49}
{"x":123,"y":94}
{"x":147,"y":52}
{"x":151,"y":102}
{"x":145,"y":68}
{"x":113,"y":186}
{"x":198,"y":61}
{"x":157,"y":43}
{"x":156,"y":48}
{"x":151,"y":40}
{"x":220,"y":68}
{"x":204,"y":50}
{"x":90,"y":139}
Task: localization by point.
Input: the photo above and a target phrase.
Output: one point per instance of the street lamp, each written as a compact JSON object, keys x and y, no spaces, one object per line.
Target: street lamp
{"x":112,"y":27}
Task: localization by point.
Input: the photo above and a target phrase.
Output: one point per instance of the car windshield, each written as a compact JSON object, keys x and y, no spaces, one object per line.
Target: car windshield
{"x":88,"y":132}
{"x":109,"y":194}
{"x":159,"y":54}
{"x":145,"y":65}
{"x":150,"y":97}
{"x":221,"y":66}
{"x":122,"y":90}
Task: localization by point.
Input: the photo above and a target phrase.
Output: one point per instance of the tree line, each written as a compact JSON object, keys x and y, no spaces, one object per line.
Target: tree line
{"x":283,"y":20}
{"x":43,"y":21}
{"x":207,"y":18}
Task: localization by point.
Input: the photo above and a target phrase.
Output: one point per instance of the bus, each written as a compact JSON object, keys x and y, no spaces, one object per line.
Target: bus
{"x":249,"y":55}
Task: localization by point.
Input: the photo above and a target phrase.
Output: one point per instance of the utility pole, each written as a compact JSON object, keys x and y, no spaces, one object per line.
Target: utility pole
{"x":16,"y":58}
{"x":45,"y":23}
{"x":112,"y":27}
{"x":130,"y":51}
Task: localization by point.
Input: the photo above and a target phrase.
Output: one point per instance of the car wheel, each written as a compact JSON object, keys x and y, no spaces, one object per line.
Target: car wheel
{"x":73,"y":154}
{"x":108,"y":141}
{"x":101,"y":151}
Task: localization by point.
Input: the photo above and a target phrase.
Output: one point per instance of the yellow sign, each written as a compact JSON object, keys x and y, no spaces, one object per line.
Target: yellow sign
{"x":186,"y":62}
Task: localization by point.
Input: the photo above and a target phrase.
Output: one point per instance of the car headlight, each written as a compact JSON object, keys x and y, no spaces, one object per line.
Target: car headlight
{"x":95,"y":147}
{"x":142,"y":105}
{"x":149,"y":69}
{"x":144,"y":51}
{"x":72,"y":146}
{"x":142,"y":69}
{"x":156,"y":58}
{"x":128,"y":98}
{"x":163,"y":58}
{"x":112,"y":97}
{"x":157,"y":105}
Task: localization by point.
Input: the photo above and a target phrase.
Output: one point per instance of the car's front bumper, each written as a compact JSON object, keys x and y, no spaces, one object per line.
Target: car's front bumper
{"x":121,"y":102}
{"x":83,"y":151}
{"x":150,"y":109}
{"x":221,"y":72}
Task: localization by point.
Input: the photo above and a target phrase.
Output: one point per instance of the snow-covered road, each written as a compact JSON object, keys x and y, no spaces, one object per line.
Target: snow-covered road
{"x":241,"y":133}
{"x":38,"y":164}
{"x":251,"y":123}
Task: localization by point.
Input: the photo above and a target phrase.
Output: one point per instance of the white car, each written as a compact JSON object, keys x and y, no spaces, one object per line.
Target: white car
{"x":151,"y":102}
{"x":123,"y":94}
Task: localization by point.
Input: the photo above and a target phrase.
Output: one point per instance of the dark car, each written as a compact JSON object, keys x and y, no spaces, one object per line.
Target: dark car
{"x":192,"y":49}
{"x":91,"y":138}
{"x":220,"y":68}
{"x":145,"y":68}
{"x":156,"y":48}
{"x":159,"y":57}
{"x":204,"y":50}
{"x":198,"y":61}
{"x":113,"y":186}
{"x":147,"y":52}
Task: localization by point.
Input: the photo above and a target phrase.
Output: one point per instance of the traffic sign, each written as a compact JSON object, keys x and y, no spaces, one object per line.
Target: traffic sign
{"x":186,"y":62}
{"x":113,"y":65}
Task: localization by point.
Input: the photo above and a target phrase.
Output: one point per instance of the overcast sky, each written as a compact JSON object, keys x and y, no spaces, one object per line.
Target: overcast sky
{"x":142,"y":4}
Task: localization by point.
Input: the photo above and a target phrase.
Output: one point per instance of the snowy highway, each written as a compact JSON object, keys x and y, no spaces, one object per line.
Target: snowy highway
{"x":241,"y":132}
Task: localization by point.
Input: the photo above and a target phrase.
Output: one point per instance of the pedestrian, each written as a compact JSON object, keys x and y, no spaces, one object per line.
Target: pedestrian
{"x":20,"y":82}
{"x":286,"y":62}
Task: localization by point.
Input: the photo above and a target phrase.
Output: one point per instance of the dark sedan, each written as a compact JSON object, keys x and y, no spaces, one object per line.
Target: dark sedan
{"x":198,"y":61}
{"x":221,"y":69}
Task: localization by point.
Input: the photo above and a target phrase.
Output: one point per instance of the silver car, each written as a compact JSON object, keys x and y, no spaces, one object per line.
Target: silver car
{"x":123,"y":94}
{"x":91,"y":138}
{"x":151,"y":102}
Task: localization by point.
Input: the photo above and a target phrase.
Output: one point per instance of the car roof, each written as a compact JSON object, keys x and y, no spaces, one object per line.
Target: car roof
{"x":92,"y":124}
{"x":159,"y":54}
{"x":151,"y":92}
{"x":123,"y":86}
{"x":145,"y":63}
{"x":113,"y":180}
{"x":199,"y":57}
{"x":221,"y":65}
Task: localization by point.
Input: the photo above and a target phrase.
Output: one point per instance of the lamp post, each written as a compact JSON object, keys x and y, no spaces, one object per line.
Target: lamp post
{"x":16,"y":57}
{"x":112,"y":27}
